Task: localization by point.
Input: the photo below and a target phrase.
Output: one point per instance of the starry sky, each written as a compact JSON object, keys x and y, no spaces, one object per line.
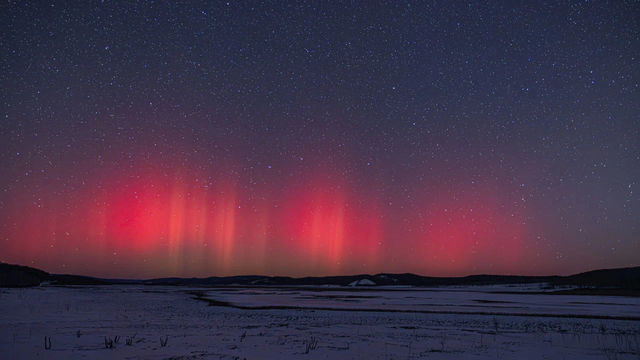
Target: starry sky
{"x":445,"y":138}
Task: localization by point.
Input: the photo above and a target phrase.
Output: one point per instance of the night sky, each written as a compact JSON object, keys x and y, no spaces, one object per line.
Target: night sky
{"x":147,"y":139}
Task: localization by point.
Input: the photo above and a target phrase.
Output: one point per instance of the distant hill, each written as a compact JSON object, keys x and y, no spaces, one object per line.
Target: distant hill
{"x":20,"y":276}
{"x":621,"y":278}
{"x":372,"y":280}
{"x":627,"y":278}
{"x":24,"y":276}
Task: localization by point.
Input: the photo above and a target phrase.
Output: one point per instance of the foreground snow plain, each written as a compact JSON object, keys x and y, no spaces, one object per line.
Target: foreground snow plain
{"x":476,"y":323}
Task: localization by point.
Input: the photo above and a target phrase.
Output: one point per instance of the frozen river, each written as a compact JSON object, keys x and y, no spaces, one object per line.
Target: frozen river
{"x":479,"y":299}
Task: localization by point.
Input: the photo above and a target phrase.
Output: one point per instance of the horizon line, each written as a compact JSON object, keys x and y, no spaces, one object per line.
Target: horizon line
{"x":322,"y":276}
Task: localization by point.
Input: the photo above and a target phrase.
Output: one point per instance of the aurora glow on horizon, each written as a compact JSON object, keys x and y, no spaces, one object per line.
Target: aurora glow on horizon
{"x":155,"y":139}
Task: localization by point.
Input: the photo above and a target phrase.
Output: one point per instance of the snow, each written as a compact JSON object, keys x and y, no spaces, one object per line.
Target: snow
{"x":362,"y":282}
{"x":77,"y":319}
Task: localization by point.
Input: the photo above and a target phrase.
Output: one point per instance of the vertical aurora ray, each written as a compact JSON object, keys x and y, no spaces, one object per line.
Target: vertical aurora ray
{"x":149,"y":222}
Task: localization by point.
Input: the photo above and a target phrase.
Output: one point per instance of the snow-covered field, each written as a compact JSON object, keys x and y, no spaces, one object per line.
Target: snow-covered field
{"x":77,"y":321}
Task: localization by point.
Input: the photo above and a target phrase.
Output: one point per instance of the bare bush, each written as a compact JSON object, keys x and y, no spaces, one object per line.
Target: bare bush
{"x":108,"y":343}
{"x":310,"y":344}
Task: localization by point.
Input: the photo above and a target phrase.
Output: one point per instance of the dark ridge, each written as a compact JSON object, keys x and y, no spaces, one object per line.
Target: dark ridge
{"x":616,"y":281}
{"x":64,"y":279}
{"x":623,"y":278}
{"x":20,"y":276}
{"x":24,"y":276}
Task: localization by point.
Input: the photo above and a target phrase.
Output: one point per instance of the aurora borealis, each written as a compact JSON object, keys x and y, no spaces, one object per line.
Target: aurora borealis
{"x":148,"y":139}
